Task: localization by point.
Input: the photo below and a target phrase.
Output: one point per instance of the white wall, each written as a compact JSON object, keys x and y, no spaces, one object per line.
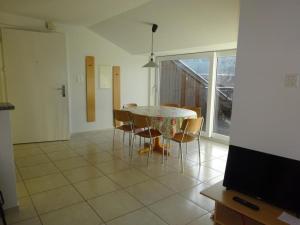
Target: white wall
{"x":134,"y":79}
{"x":81,"y":42}
{"x":265,"y":113}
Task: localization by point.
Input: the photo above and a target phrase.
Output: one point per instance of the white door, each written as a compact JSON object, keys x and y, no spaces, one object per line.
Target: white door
{"x":35,"y":69}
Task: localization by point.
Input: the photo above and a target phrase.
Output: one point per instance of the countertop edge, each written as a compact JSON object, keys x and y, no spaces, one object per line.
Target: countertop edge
{"x":6,"y":106}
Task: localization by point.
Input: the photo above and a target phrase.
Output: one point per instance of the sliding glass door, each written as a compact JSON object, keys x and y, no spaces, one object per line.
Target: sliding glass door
{"x":223,"y":93}
{"x":203,"y":80}
{"x":184,"y":81}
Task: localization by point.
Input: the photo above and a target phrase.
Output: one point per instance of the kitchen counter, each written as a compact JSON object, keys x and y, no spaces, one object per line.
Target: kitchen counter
{"x":7,"y":162}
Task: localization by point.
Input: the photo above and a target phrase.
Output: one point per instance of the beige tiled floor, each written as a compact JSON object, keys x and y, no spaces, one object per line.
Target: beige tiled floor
{"x":84,"y":181}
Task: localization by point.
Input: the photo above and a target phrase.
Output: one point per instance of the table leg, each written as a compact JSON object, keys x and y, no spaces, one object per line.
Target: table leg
{"x":157,"y":147}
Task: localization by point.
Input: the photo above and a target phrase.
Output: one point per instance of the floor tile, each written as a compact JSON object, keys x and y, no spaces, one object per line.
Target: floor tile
{"x":176,"y":210}
{"x":139,"y":217}
{"x":18,"y":176}
{"x":79,"y":214}
{"x":194,"y":195}
{"x":21,"y":190}
{"x":149,"y":192}
{"x":20,"y":153}
{"x":96,"y":187}
{"x":114,"y":204}
{"x":55,"y":147}
{"x":178,"y":181}
{"x":63,"y":154}
{"x":37,"y":171}
{"x":48,"y":169}
{"x":202,"y":173}
{"x":203,"y":220}
{"x":128,"y":177}
{"x":216,"y":164}
{"x":32,"y":160}
{"x":80,"y":143}
{"x":25,"y":146}
{"x":45,"y":183}
{"x":71,"y":163}
{"x":87,"y":150}
{"x":82,"y":173}
{"x":55,"y":199}
{"x":24,"y":212}
{"x":215,"y":180}
{"x":99,"y":157}
{"x":112,"y":166}
{"x":155,"y":171}
{"x":34,"y":221}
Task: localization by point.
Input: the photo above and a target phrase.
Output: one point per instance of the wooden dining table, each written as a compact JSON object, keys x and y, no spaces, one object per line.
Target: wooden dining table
{"x":163,"y":118}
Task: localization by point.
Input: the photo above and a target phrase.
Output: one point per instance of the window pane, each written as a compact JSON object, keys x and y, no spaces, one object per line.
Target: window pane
{"x":224,"y":92}
{"x":185,"y":83}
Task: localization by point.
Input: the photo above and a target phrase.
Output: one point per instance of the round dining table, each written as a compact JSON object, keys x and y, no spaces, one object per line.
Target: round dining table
{"x":163,"y":118}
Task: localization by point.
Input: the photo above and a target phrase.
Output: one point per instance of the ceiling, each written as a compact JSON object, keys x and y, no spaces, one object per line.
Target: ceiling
{"x":78,"y":12}
{"x":181,"y":25}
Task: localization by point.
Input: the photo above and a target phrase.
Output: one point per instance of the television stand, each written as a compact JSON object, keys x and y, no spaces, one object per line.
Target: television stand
{"x":230,"y":212}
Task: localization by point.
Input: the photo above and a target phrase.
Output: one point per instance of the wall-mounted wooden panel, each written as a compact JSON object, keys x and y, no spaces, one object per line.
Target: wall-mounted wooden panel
{"x":90,"y":88}
{"x":116,"y":87}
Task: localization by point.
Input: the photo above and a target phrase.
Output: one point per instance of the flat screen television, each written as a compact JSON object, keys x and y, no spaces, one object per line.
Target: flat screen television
{"x":271,"y":178}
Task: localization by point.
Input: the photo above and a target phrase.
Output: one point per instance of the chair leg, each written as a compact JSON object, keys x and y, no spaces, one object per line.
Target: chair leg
{"x":186,"y":147}
{"x":169,"y":145}
{"x":150,"y":149}
{"x":114,"y":139}
{"x":163,"y":153}
{"x":199,"y":151}
{"x":181,"y":157}
{"x":131,"y":148}
{"x":140,"y":141}
{"x":129,"y":141}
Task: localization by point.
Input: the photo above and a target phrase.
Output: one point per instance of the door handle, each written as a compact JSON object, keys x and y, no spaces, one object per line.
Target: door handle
{"x":63,"y":90}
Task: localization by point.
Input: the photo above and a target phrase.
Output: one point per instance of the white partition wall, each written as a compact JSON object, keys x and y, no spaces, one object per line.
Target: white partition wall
{"x":266,"y":108}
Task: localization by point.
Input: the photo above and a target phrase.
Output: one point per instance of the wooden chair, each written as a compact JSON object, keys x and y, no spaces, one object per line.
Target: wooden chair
{"x":1,"y":209}
{"x":195,"y":109}
{"x":142,"y":128}
{"x":130,"y":105}
{"x":170,"y":105}
{"x":122,"y":121}
{"x":190,"y":131}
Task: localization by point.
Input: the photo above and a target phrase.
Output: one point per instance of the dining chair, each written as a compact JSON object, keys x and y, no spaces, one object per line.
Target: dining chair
{"x":130,"y":105}
{"x":195,"y":109}
{"x":123,"y":117}
{"x":170,"y":105}
{"x":190,"y":131}
{"x":142,"y":128}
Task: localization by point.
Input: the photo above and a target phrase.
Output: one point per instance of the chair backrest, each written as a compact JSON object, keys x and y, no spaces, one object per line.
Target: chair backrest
{"x":121,"y":116}
{"x":192,"y":126}
{"x":140,"y":121}
{"x":195,"y":109}
{"x":170,"y":105}
{"x":130,"y":105}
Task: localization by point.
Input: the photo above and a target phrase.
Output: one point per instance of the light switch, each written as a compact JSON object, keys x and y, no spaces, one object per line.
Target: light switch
{"x":291,"y":80}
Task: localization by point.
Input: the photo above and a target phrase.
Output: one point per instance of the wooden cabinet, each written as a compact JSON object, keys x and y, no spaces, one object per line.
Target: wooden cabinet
{"x":229,"y":212}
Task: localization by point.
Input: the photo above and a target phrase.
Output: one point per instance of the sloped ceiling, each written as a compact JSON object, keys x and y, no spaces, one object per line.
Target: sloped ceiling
{"x":77,"y":12}
{"x":182,"y":24}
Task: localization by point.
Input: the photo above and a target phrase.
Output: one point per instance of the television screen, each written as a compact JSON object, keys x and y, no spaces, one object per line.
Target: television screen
{"x":271,"y":178}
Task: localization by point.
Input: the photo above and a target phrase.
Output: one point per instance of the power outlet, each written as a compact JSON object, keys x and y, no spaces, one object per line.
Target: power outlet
{"x":291,"y":80}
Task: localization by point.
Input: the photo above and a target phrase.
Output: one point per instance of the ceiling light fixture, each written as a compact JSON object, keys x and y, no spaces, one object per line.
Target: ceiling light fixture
{"x":151,"y":63}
